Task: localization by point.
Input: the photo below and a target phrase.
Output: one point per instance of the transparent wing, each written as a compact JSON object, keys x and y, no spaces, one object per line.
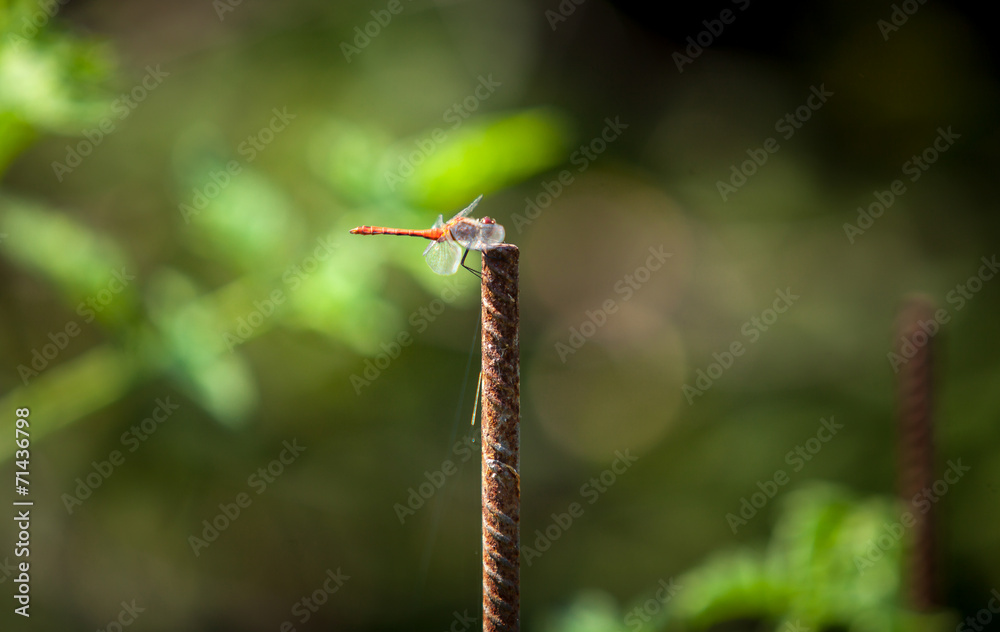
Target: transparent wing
{"x":477,"y":235}
{"x":466,"y":233}
{"x":443,"y":256}
{"x":490,"y":235}
{"x":467,"y":209}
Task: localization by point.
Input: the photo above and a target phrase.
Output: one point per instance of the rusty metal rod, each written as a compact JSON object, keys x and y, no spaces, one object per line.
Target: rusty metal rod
{"x":916,"y":441}
{"x":501,"y":483}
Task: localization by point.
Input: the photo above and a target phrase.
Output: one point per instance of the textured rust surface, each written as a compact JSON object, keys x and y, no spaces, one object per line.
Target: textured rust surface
{"x":916,"y":436}
{"x":501,"y":484}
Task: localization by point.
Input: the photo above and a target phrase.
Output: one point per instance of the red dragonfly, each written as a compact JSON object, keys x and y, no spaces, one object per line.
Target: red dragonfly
{"x":450,"y":239}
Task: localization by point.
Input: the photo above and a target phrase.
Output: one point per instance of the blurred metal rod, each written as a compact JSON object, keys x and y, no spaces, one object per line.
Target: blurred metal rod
{"x":916,"y":328}
{"x":501,"y":435}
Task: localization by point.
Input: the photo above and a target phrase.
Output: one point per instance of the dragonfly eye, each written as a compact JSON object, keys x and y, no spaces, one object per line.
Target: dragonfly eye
{"x":488,"y":220}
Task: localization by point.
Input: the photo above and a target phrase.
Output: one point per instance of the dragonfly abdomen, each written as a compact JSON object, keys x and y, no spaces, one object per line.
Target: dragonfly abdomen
{"x":430,"y":233}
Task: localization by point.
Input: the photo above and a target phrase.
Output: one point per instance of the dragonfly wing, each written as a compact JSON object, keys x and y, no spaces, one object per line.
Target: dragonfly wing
{"x":468,"y":209}
{"x":466,"y":233}
{"x":476,"y":235}
{"x":491,"y":235}
{"x":443,"y":256}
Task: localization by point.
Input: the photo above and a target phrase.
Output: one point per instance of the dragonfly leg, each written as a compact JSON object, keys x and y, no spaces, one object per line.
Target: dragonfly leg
{"x":479,"y":389}
{"x":467,"y":267}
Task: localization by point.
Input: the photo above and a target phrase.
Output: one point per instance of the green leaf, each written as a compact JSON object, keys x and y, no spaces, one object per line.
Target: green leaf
{"x":482,"y":155}
{"x":69,"y":254}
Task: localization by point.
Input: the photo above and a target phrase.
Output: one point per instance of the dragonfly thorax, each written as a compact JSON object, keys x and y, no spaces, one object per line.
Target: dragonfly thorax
{"x":477,"y":235}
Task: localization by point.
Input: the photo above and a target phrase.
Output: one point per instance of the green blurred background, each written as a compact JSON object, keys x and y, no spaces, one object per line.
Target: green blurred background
{"x":181,"y":302}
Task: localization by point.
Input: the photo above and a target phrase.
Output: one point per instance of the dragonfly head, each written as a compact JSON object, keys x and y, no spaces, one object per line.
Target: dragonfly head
{"x":492,"y":234}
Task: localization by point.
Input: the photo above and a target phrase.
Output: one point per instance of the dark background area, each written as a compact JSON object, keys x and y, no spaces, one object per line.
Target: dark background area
{"x":300,"y":375}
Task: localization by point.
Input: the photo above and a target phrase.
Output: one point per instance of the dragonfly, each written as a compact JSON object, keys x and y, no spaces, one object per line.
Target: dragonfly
{"x":451,"y":241}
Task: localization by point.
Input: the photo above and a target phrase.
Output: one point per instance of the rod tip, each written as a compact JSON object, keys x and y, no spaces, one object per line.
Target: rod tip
{"x":504,"y":248}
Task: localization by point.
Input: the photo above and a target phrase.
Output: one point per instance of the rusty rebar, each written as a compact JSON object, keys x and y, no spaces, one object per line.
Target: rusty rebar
{"x":916,"y":329}
{"x":501,"y":483}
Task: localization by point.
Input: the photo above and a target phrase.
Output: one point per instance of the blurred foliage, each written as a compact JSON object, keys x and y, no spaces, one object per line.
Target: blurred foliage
{"x":833,"y":563}
{"x":49,"y":83}
{"x":237,"y":217}
{"x":178,"y":185}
